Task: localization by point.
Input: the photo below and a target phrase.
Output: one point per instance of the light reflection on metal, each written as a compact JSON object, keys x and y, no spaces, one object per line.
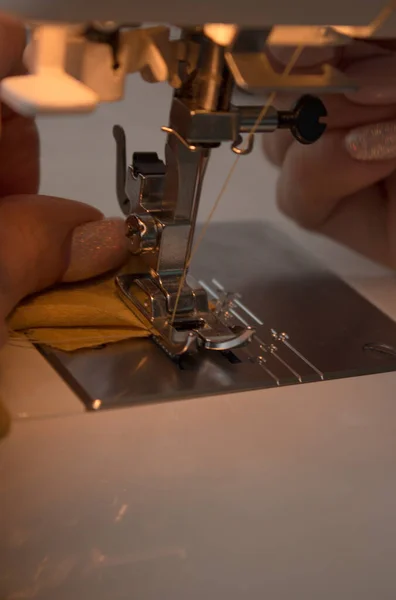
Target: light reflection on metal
{"x":239,"y":303}
{"x":224,"y":309}
{"x":283,"y":337}
{"x":260,"y":360}
{"x":216,"y":296}
{"x":273,"y":350}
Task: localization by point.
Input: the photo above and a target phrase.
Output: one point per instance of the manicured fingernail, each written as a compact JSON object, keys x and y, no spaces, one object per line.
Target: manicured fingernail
{"x":372,"y":142}
{"x":97,"y":247}
{"x":376,"y":79}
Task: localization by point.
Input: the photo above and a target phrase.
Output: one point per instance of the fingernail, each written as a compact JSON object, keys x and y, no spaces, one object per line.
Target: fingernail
{"x":96,"y":247}
{"x":372,"y":142}
{"x":376,"y":79}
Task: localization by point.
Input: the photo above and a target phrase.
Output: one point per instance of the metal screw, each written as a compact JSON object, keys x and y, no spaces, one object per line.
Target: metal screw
{"x":135,"y":228}
{"x":143,"y":232}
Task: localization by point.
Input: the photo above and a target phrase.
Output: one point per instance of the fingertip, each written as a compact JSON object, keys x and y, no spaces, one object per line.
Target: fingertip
{"x":96,"y":248}
{"x":315,"y":179}
{"x":36,"y":235}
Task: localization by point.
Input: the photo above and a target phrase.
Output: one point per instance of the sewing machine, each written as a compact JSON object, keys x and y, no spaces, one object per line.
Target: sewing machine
{"x":242,"y":323}
{"x":161,"y":200}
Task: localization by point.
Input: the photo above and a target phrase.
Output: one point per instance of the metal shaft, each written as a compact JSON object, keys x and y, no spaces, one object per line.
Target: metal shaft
{"x":249,"y":116}
{"x":210,"y":76}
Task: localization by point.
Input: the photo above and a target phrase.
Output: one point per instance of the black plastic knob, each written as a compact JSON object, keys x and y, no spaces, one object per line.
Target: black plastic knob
{"x":304,"y":121}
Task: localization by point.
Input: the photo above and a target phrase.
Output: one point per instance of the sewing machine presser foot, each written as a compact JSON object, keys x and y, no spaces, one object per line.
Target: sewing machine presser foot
{"x":195,"y":326}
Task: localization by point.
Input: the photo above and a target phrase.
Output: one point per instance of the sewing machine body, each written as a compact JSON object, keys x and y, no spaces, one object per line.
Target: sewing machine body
{"x":303,"y":12}
{"x":202,"y":494}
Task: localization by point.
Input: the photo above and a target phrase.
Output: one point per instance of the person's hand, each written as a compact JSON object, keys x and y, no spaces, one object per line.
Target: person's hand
{"x":344,"y":186}
{"x":43,"y":240}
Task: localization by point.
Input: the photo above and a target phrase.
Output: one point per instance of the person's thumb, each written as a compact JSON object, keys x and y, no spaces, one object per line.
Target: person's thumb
{"x":45,"y":240}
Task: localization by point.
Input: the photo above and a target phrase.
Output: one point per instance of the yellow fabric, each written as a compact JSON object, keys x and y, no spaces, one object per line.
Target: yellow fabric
{"x":71,"y":317}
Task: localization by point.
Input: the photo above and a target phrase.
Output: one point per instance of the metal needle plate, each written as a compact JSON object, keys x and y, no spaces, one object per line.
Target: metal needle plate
{"x":329,"y":329}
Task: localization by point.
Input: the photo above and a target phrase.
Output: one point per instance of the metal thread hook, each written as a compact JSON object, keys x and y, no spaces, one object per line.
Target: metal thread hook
{"x":242,"y":151}
{"x":181,"y":139}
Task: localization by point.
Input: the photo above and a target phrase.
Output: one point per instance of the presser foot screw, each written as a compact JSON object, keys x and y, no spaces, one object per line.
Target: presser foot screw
{"x":304,"y":121}
{"x":142,"y":232}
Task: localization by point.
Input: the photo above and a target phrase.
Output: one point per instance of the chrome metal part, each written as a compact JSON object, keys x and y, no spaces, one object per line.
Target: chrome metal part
{"x":210,"y":76}
{"x":284,"y":338}
{"x":198,"y":126}
{"x":164,"y":198}
{"x":181,"y":139}
{"x":143,"y":232}
{"x":164,"y":201}
{"x":239,"y":148}
{"x":305,"y":122}
{"x":248,"y":119}
{"x":237,"y":302}
{"x":195,"y":325}
{"x":140,"y":186}
{"x":381,"y":349}
{"x":145,"y":182}
{"x":224,"y":303}
{"x":329,"y":326}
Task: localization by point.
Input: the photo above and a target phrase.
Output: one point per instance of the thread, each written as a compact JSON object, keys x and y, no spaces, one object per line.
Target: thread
{"x":294,"y":58}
